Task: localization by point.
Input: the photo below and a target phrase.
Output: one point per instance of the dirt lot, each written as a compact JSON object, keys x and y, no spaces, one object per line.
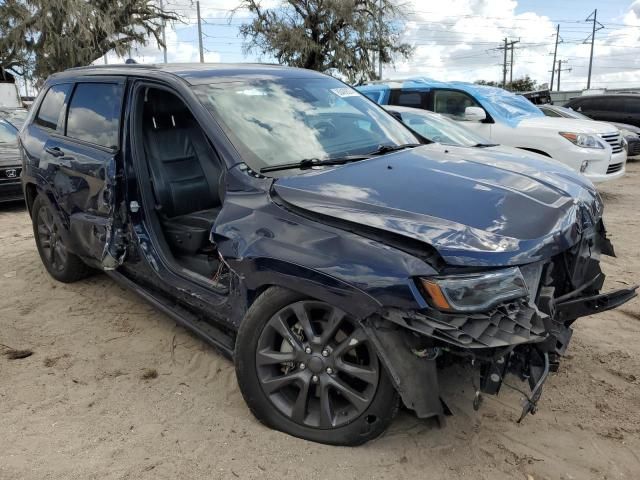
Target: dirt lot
{"x":80,"y":407}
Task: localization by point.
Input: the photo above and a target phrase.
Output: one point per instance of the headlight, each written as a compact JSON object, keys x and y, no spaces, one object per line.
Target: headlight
{"x":476,"y":291}
{"x":582,"y":140}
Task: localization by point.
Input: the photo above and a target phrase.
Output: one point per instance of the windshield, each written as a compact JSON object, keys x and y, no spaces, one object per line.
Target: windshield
{"x":278,"y":121}
{"x":8,"y":134}
{"x":513,"y":106}
{"x":15,"y":116}
{"x":571,"y":113}
{"x":440,"y":129}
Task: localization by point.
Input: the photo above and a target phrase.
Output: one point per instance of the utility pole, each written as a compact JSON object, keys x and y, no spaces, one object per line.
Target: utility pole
{"x":507,"y":45}
{"x":504,"y":66}
{"x":555,"y":53}
{"x":560,"y":70}
{"x":200,"y":33}
{"x":592,"y":17}
{"x":511,"y":65}
{"x":164,"y":38}
{"x":380,"y":40}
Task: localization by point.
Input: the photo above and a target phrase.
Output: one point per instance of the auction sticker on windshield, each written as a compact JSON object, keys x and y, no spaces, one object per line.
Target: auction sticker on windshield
{"x":344,"y":92}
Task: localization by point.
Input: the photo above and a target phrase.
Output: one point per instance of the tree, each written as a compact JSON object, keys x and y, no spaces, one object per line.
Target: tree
{"x":59,"y":34}
{"x":334,"y":36}
{"x":524,"y":84}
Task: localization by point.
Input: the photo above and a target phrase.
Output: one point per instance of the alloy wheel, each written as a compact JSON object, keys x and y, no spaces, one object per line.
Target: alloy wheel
{"x":53,"y":248}
{"x":316,"y":365}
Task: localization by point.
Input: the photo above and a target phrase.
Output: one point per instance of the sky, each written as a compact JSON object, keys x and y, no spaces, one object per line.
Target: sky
{"x":453,"y":39}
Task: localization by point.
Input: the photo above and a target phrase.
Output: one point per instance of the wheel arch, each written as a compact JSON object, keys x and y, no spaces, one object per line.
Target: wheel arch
{"x":257,"y":275}
{"x":30,"y":194}
{"x":535,"y":150}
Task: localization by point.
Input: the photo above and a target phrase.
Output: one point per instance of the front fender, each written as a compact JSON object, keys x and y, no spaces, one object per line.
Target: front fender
{"x":254,"y":275}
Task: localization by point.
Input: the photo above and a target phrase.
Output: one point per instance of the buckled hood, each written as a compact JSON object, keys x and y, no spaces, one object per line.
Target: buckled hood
{"x":475,"y":207}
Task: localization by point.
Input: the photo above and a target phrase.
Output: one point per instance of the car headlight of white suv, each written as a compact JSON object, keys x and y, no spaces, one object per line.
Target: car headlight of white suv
{"x":583,"y":140}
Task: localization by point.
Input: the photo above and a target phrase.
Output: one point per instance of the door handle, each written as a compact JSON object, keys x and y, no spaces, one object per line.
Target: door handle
{"x":55,"y":151}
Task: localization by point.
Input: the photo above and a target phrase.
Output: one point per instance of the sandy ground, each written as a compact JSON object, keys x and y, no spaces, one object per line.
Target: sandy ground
{"x":79,"y":407}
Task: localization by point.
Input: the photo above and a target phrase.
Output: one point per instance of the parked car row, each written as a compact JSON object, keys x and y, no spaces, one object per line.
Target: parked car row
{"x":340,"y":256}
{"x":593,"y":148}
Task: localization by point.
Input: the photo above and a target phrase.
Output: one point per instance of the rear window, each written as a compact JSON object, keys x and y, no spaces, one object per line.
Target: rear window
{"x":52,"y":106}
{"x":94,"y":113}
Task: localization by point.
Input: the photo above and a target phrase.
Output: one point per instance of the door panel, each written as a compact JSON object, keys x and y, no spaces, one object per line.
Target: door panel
{"x":86,"y":158}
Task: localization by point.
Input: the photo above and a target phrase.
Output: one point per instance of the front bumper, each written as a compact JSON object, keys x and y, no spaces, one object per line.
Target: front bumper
{"x":606,"y":169}
{"x":525,"y":337}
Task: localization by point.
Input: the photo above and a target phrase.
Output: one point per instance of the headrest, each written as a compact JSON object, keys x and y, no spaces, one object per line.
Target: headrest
{"x":164,"y":109}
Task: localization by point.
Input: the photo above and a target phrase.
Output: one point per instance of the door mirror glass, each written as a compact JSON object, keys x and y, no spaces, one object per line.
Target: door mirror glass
{"x":474,"y":114}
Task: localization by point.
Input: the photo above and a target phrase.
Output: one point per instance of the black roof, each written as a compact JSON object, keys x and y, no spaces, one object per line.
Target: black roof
{"x":193,"y":73}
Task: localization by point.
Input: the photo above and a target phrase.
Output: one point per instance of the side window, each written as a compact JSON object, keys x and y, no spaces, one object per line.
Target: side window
{"x":408,"y":98}
{"x":615,"y":104}
{"x":94,"y":113}
{"x":632,"y":105}
{"x":452,"y":103}
{"x":375,"y":95}
{"x":591,"y":104}
{"x":550,"y":113}
{"x":574,"y":104}
{"x":52,"y":106}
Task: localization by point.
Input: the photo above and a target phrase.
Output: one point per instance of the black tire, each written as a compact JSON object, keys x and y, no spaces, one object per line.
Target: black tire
{"x":61,"y":264}
{"x":369,"y":422}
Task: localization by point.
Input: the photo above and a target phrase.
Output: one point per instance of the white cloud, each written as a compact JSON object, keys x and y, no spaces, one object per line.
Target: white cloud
{"x":454,"y":40}
{"x":459,"y":40}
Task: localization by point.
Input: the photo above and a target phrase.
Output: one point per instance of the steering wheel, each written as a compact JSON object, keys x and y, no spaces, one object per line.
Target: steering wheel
{"x":327,"y":129}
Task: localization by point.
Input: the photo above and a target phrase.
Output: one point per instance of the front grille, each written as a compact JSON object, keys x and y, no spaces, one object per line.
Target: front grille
{"x":634,"y":147}
{"x":10,"y":174}
{"x":614,"y":167}
{"x":613,"y":139}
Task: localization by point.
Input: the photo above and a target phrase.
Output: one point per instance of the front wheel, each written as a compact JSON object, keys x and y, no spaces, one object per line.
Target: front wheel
{"x":308,"y":369}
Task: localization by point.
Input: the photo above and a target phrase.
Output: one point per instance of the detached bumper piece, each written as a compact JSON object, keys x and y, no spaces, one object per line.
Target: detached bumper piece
{"x":571,"y":309}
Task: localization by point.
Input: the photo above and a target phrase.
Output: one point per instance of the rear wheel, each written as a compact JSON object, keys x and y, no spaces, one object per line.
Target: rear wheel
{"x":61,"y":264}
{"x":308,"y":369}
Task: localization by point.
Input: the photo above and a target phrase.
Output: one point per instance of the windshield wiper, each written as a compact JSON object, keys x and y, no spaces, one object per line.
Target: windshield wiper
{"x":382,"y":149}
{"x":314,"y":162}
{"x":486,"y":145}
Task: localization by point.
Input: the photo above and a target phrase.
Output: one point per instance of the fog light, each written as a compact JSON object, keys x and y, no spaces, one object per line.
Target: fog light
{"x":584,"y":166}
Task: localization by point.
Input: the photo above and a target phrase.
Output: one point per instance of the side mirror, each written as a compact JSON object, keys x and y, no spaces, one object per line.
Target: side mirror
{"x":474,"y":114}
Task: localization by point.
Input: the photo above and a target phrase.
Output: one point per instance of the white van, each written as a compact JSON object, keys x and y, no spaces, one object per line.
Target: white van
{"x":593,"y":148}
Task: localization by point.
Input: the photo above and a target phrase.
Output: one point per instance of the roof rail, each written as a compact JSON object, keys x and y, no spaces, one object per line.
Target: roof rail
{"x":115,"y":65}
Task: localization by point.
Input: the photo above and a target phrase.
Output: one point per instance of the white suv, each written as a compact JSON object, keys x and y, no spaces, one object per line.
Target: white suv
{"x":593,"y":148}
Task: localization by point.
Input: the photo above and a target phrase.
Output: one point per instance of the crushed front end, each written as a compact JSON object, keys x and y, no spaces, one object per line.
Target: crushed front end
{"x":516,"y":320}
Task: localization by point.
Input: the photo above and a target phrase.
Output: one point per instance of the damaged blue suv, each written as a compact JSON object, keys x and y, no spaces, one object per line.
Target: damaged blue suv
{"x":300,"y":229}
